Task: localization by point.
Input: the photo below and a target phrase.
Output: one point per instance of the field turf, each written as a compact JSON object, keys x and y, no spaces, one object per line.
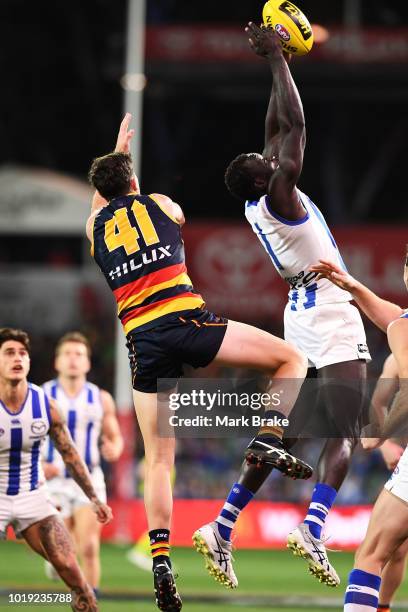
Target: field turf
{"x":269,"y":580}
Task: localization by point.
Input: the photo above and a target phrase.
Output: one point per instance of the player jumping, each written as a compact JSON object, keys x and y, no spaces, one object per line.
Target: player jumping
{"x":388,"y":526}
{"x":26,"y":417}
{"x":90,"y":415}
{"x":319,"y":319}
{"x":136,"y":241}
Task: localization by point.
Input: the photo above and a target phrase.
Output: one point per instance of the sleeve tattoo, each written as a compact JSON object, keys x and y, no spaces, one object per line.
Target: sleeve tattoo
{"x":76,"y":467}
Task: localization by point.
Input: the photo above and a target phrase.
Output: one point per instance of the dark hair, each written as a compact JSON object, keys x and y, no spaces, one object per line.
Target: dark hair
{"x":74,"y":336}
{"x":111,"y":174}
{"x":239,"y":181}
{"x":18,"y":335}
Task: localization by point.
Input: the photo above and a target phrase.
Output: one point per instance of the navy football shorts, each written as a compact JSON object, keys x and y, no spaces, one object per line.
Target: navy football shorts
{"x":190,"y":337}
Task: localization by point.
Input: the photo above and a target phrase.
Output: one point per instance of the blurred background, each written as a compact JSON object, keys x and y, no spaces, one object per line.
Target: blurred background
{"x":65,"y":80}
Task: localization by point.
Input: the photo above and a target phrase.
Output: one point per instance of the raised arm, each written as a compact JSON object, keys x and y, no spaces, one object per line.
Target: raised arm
{"x":381,"y":312}
{"x":112,"y":441}
{"x":385,"y":390}
{"x":396,"y":423}
{"x":272,"y":132}
{"x":272,"y":129}
{"x":123,"y":141}
{"x":61,"y":437}
{"x":285,"y":116}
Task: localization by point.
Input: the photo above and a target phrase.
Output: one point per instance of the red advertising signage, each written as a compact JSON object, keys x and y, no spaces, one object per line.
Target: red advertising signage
{"x":261,"y":524}
{"x":216,"y":43}
{"x":233,"y":272}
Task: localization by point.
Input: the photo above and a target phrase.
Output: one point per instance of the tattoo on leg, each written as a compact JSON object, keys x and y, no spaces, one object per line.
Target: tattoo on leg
{"x":55,"y":537}
{"x":57,"y":543}
{"x":83,"y":602}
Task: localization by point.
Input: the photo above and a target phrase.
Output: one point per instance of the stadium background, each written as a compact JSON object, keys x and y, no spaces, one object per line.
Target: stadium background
{"x":204,"y":100}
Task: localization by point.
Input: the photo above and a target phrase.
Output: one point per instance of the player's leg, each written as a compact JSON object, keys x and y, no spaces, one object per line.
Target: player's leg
{"x":343,"y":396}
{"x":253,"y":476}
{"x":60,"y":497}
{"x":247,"y":346}
{"x":387,"y":530}
{"x":87,"y":533}
{"x":158,"y":497}
{"x":51,"y":536}
{"x":283,"y":364}
{"x":392,"y":577}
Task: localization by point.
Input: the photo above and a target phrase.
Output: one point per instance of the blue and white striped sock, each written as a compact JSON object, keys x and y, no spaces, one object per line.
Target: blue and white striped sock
{"x":237,"y":499}
{"x":322,"y":500}
{"x":362,"y":592}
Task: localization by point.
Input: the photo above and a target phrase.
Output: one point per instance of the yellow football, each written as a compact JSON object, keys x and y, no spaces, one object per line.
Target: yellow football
{"x":291,"y":25}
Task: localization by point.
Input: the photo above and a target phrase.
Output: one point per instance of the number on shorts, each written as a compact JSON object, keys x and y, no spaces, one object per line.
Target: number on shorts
{"x":120,"y":233}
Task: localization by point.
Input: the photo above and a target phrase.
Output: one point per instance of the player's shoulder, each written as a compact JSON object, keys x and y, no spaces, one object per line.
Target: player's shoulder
{"x":93,"y":391}
{"x":169,"y":207}
{"x":49,"y":383}
{"x":399,"y":326}
{"x":33,"y":387}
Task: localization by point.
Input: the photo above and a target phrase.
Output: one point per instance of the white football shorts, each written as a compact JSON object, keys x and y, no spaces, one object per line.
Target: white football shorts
{"x":23,"y":510}
{"x":398,"y":482}
{"x":327,"y":333}
{"x":67,"y":495}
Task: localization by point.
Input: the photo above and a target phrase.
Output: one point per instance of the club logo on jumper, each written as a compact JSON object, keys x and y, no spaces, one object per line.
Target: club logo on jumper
{"x":282,"y":32}
{"x":362,"y":348}
{"x":2,"y":431}
{"x":297,"y":17}
{"x":38,"y":428}
{"x":301,"y":279}
{"x":144,"y":260}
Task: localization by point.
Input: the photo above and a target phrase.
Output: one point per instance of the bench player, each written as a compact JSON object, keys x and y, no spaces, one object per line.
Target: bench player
{"x":388,"y":527}
{"x":90,"y":415}
{"x":318,"y":319}
{"x":26,"y":417}
{"x":136,"y":241}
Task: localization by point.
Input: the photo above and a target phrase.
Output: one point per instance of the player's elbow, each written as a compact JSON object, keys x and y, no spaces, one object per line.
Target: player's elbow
{"x":290,"y":168}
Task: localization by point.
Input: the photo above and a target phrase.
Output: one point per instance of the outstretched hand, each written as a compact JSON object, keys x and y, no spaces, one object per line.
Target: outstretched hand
{"x":264,"y":41}
{"x":125,"y":135}
{"x":335,"y":274}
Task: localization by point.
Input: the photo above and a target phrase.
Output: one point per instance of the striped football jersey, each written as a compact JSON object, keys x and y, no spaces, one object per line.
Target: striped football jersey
{"x":22,"y":436}
{"x":83,"y":416}
{"x":294,"y":246}
{"x":140,"y":251}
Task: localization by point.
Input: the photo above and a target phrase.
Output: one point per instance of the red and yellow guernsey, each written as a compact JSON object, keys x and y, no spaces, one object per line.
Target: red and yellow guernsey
{"x":140,"y":251}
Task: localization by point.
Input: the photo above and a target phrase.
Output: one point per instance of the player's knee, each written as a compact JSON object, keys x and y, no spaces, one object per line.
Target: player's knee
{"x":90,"y":549}
{"x":398,"y":556}
{"x":372,"y":552}
{"x":160,"y":461}
{"x":297,"y":361}
{"x":64,"y":563}
{"x":160,"y":454}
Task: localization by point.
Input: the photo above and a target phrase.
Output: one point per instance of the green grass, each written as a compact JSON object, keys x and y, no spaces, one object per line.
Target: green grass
{"x":263,"y":574}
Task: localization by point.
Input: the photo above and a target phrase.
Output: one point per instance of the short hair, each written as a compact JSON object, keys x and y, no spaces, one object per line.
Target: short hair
{"x":111,"y":174}
{"x":239,"y":181}
{"x":73,"y":336}
{"x":18,"y":335}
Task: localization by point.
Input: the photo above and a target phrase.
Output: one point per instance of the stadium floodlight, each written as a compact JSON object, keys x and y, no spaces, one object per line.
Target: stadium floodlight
{"x":133,"y":103}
